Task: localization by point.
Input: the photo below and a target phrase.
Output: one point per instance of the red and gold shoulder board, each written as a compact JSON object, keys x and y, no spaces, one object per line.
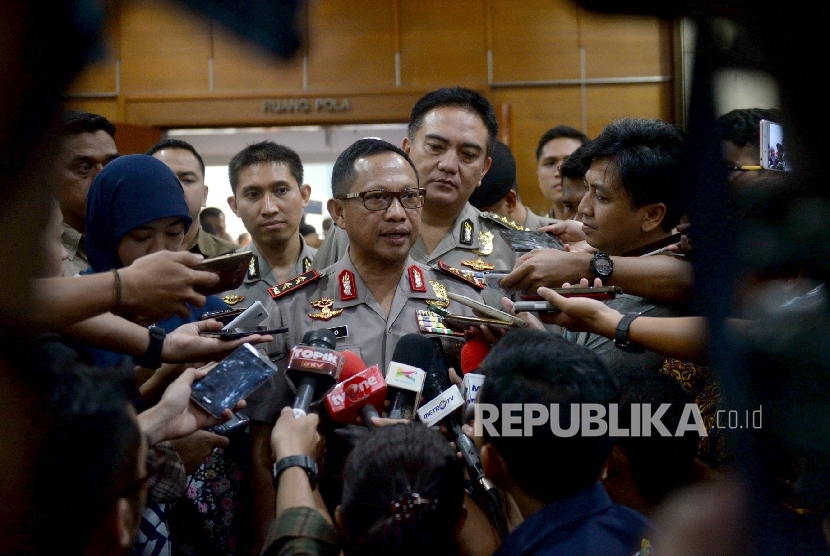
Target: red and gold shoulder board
{"x":416,"y":279}
{"x":475,"y":279}
{"x":295,"y":283}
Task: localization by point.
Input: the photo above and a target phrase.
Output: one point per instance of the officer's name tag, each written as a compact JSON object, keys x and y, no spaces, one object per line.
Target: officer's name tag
{"x":340,"y":331}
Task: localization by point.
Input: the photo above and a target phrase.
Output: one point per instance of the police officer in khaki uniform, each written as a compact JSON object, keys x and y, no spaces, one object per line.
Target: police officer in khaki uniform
{"x":269,"y":196}
{"x":371,"y":298}
{"x":189,"y":168}
{"x":452,"y":132}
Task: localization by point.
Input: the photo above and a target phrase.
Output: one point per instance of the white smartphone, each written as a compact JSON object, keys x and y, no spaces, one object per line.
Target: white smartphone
{"x":773,"y":154}
{"x":486,"y":309}
{"x":249,"y":318}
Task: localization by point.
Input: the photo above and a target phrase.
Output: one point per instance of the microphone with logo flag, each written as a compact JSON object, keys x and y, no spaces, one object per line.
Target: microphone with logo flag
{"x":360,"y":392}
{"x":313,"y":368}
{"x":405,"y":375}
{"x":441,"y":409}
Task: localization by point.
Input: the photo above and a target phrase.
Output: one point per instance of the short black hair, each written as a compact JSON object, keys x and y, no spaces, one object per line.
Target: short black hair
{"x":659,"y":464}
{"x":558,"y":132}
{"x":343,"y":174}
{"x":386,"y":466}
{"x":75,"y":123}
{"x":647,"y":156}
{"x":177,"y":144}
{"x":265,"y":151}
{"x":743,"y":126}
{"x":93,"y":451}
{"x":576,"y":165}
{"x":458,"y":97}
{"x":535,"y":367}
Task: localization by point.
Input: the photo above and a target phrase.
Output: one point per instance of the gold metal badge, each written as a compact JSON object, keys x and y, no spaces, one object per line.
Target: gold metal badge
{"x":479,"y":265}
{"x":326,"y":311}
{"x":443,"y":300}
{"x":485,"y":244}
{"x":232,"y":299}
{"x":466,"y":232}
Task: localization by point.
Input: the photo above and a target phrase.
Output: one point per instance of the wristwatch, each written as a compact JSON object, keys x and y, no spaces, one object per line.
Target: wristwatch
{"x":602,"y":266}
{"x":621,"y":339}
{"x":152,"y":357}
{"x":306,"y":462}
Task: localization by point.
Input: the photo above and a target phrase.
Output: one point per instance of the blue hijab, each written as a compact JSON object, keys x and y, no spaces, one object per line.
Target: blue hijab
{"x":129,"y":192}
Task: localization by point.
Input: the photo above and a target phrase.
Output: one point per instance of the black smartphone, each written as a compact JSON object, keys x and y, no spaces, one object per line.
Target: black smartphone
{"x":236,"y":423}
{"x":528,"y":240}
{"x":241,"y":332}
{"x":236,"y":376}
{"x":224,"y":316}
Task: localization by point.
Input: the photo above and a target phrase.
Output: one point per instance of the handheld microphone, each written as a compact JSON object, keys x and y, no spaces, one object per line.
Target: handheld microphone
{"x":359,"y":392}
{"x":405,"y":374}
{"x":433,"y":412}
{"x":472,"y":354}
{"x":313,"y":368}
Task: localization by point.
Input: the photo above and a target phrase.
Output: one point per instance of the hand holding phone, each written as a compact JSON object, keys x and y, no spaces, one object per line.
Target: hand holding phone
{"x":233,"y":378}
{"x":242,"y":332}
{"x":249,"y":318}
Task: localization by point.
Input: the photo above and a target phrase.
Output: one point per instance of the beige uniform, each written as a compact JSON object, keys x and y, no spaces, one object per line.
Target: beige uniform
{"x":344,"y":304}
{"x":260,"y":277}
{"x":473,"y":243}
{"x":73,"y":242}
{"x":534,"y":221}
{"x":211,"y":246}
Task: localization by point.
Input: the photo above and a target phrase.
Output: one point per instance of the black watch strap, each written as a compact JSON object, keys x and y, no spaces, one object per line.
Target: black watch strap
{"x":621,"y":339}
{"x":152,"y":357}
{"x":306,"y":462}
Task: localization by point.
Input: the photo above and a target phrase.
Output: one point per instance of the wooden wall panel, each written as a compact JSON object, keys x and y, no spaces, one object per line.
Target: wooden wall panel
{"x":610,"y":102}
{"x":443,"y":43}
{"x":164,"y":49}
{"x":626,"y":47}
{"x":243,"y":67}
{"x":106,"y":107}
{"x":534,"y":111}
{"x":351,"y":46}
{"x":534,"y":40}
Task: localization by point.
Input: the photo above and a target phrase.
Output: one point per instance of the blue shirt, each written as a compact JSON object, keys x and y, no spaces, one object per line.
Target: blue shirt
{"x":586,"y":523}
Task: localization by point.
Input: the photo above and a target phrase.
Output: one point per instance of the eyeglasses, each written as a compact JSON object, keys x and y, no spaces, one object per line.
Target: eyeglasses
{"x":381,"y":199}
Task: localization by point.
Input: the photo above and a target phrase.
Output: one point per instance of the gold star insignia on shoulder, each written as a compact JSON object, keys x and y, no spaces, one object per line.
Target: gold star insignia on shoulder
{"x":326,"y":312}
{"x":232,"y":299}
{"x":503,"y":220}
{"x":291,"y":285}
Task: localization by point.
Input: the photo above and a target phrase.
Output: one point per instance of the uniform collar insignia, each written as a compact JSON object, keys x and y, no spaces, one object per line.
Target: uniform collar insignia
{"x":466,"y":236}
{"x":253,"y":269}
{"x":485,"y":243}
{"x":416,"y":279}
{"x":306,"y":264}
{"x":233,"y":299}
{"x":348,"y":287}
{"x":326,"y":312}
{"x":293,"y":284}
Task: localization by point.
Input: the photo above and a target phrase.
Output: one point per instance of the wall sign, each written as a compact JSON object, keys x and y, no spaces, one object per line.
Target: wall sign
{"x":306,"y":106}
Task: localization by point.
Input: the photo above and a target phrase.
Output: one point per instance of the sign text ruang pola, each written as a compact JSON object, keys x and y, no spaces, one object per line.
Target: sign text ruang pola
{"x":306,"y":105}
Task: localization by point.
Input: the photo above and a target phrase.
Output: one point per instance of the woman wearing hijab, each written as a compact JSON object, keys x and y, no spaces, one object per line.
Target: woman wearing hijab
{"x":136,"y":207}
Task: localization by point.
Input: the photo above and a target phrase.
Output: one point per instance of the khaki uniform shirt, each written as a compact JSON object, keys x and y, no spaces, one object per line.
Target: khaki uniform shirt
{"x":211,"y":246}
{"x":73,"y":242}
{"x":534,"y":221}
{"x":473,"y":238}
{"x":260,"y":276}
{"x":361,"y":325}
